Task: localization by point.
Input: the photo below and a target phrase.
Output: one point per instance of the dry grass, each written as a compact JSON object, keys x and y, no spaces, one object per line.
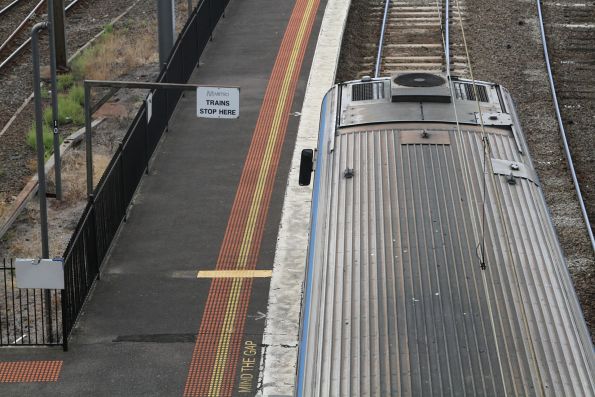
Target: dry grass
{"x":74,"y":176}
{"x":23,"y":242}
{"x":23,"y":239}
{"x":4,"y":205}
{"x":118,"y":53}
{"x":122,"y":49}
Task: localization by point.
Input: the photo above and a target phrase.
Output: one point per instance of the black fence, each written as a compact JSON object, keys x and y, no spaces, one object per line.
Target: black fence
{"x":28,"y":316}
{"x":22,"y":313}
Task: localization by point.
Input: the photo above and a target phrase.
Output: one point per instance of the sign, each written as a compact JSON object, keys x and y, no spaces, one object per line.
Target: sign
{"x":149,"y":107}
{"x":218,"y":102}
{"x":40,"y":273}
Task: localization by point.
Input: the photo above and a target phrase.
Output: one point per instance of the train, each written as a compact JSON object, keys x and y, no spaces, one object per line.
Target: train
{"x":433,"y":264}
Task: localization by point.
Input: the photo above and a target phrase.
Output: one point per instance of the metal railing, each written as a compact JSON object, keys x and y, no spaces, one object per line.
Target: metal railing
{"x":111,"y":197}
{"x":22,"y":320}
{"x":24,"y":316}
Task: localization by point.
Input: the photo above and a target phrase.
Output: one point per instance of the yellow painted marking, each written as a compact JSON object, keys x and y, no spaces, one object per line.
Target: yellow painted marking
{"x":223,"y":345}
{"x":230,"y":314}
{"x":234,"y":273}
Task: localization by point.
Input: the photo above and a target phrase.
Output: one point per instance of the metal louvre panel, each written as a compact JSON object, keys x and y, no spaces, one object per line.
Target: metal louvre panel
{"x":465,"y":91}
{"x":402,"y":306}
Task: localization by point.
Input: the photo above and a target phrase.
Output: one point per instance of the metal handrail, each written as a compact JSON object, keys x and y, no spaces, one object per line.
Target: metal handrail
{"x":562,"y":130}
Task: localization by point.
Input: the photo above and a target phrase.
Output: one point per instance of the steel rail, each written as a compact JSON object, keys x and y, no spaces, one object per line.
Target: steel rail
{"x":16,"y":52}
{"x":577,"y":187}
{"x":381,"y":40}
{"x":21,"y":26}
{"x":447,"y":37}
{"x":9,"y":7}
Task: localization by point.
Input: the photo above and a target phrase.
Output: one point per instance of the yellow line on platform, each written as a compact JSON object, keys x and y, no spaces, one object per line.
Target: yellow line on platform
{"x":234,"y":273}
{"x":284,"y":95}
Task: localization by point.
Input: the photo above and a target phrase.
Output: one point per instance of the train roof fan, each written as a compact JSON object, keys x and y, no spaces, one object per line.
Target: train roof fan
{"x":420,"y":87}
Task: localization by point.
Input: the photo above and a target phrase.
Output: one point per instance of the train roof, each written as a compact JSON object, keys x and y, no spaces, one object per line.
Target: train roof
{"x":401,"y":303}
{"x":419,"y":96}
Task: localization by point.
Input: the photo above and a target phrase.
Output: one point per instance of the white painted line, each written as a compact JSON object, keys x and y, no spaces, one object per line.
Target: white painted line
{"x":19,"y":339}
{"x":280,"y":341}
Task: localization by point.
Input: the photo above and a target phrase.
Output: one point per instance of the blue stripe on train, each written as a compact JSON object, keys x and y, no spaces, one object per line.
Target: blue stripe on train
{"x":313,"y":224}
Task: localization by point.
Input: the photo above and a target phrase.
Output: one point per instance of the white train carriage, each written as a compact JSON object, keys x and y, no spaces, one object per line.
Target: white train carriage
{"x":434,"y":267}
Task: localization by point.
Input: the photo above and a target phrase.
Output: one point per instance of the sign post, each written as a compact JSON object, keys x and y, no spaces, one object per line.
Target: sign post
{"x":215,"y":102}
{"x":149,"y":102}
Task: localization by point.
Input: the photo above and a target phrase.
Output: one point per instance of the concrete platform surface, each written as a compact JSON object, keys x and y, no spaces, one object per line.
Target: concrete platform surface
{"x":212,"y":201}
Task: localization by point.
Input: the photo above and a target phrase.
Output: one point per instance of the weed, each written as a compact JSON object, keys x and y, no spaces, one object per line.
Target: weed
{"x":69,"y":110}
{"x":45,"y":93}
{"x":48,"y":139}
{"x":48,"y":117}
{"x":77,"y":95}
{"x":65,"y":81}
{"x":108,"y":29}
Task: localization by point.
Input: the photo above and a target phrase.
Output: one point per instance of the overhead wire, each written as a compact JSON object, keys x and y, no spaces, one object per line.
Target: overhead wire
{"x":446,"y":44}
{"x":488,"y":169}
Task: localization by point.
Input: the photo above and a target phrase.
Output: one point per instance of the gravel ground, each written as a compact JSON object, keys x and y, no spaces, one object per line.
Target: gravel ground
{"x":571,"y":44}
{"x":85,"y":20}
{"x":23,"y":240}
{"x":359,"y":43}
{"x":505,"y":47}
{"x":13,"y":18}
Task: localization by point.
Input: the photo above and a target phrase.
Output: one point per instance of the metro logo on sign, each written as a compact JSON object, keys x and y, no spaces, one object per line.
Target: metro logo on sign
{"x":218,"y":102}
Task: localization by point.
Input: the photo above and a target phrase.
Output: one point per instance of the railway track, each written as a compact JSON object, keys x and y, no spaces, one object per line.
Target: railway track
{"x":414,"y":37}
{"x":19,"y":39}
{"x":10,"y":6}
{"x":569,"y":31}
{"x":419,"y":35}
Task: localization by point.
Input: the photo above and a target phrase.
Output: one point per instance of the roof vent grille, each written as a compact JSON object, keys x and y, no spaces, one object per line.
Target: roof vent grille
{"x":465,"y":92}
{"x":367,"y":91}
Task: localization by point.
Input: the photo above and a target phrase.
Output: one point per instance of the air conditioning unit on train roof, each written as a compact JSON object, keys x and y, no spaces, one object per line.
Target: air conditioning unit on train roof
{"x":420,"y":87}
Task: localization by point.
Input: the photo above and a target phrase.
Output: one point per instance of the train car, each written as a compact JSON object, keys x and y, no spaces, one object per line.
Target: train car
{"x":433,"y":265}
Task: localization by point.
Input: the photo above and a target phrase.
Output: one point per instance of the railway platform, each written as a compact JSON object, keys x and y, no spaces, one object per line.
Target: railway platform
{"x":182,"y":302}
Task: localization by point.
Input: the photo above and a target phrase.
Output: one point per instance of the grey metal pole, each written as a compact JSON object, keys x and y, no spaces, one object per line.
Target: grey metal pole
{"x":447,"y":38}
{"x":57,"y":160}
{"x":165,"y":22}
{"x":39,"y":138}
{"x":88,"y":138}
{"x":189,"y":8}
{"x":43,"y":215}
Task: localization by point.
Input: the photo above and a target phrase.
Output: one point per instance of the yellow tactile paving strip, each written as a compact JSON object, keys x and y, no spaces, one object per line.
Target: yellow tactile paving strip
{"x":234,"y":273}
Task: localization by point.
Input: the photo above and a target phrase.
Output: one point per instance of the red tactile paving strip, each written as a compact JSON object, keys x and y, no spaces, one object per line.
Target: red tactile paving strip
{"x":30,"y":371}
